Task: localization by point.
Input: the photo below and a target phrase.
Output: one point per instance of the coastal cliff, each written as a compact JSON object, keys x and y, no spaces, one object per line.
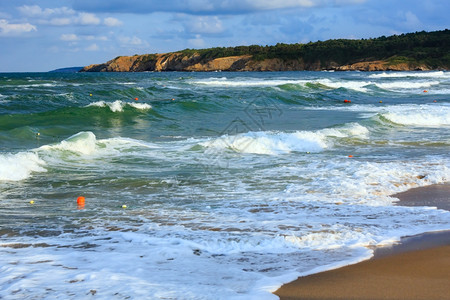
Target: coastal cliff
{"x":415,"y":51}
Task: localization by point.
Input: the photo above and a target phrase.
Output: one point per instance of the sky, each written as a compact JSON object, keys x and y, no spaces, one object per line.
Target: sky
{"x":38,"y":36}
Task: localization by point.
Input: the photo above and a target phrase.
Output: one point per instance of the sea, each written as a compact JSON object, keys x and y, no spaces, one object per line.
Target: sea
{"x":215,"y":185}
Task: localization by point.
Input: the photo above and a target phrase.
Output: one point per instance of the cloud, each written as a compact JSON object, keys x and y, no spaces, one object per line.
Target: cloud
{"x":87,"y":19}
{"x":69,"y":37}
{"x":92,"y":47}
{"x":204,"y":25}
{"x":37,"y":11}
{"x":60,"y":16}
{"x":202,"y":7}
{"x":112,"y":22}
{"x":410,"y":20}
{"x":59,"y":21}
{"x":197,"y":42}
{"x":7,"y":29}
{"x":127,"y":41}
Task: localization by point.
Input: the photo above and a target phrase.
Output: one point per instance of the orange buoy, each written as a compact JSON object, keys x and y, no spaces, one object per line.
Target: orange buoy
{"x":80,"y":201}
{"x":425,"y":91}
{"x":350,"y":156}
{"x":136,"y":98}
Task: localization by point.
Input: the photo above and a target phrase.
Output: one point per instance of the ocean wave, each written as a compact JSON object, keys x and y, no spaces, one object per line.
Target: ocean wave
{"x":402,"y":85}
{"x":280,"y":142}
{"x":247,"y":82}
{"x":422,"y":115}
{"x":359,"y":86}
{"x":20,"y":166}
{"x":118,"y":105}
{"x":85,"y":143}
{"x":437,"y":74}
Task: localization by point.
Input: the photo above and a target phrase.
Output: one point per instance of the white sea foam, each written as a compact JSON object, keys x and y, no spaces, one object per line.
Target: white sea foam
{"x":281,"y":142}
{"x":419,"y":115}
{"x":118,"y":105}
{"x":225,"y":82}
{"x":437,"y":74}
{"x":86,"y":144}
{"x":81,"y":143}
{"x":356,"y":85}
{"x":333,"y":84}
{"x":402,"y":85}
{"x":20,"y":166}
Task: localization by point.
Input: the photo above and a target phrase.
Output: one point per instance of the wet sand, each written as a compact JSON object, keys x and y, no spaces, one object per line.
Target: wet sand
{"x":417,"y":268}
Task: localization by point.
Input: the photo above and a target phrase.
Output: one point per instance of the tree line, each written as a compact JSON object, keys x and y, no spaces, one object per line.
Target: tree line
{"x":431,"y":48}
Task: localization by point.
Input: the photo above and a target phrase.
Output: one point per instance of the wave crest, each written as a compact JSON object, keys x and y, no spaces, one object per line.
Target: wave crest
{"x":118,"y":105}
{"x":19,"y":166}
{"x":273,"y":143}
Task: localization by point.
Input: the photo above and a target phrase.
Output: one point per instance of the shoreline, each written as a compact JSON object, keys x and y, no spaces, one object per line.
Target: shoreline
{"x":418,"y":267}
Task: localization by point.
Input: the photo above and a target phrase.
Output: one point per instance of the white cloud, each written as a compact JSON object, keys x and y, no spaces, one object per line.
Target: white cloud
{"x":277,"y":4}
{"x":87,"y":19}
{"x":7,"y":29}
{"x":70,"y":37}
{"x":127,"y":41}
{"x":112,"y":22}
{"x":37,"y":11}
{"x":208,"y":25}
{"x":60,"y":16}
{"x":411,"y":21}
{"x":92,"y":47}
{"x":59,"y":21}
{"x":198,"y":42}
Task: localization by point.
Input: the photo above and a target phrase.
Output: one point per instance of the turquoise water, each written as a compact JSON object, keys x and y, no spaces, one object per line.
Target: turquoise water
{"x":209,"y":185}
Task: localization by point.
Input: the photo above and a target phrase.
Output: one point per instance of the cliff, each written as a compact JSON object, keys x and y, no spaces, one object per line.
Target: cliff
{"x":180,"y":62}
{"x":414,"y":51}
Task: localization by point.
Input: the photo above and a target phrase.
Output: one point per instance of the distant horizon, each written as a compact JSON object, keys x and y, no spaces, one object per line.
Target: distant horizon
{"x":56,"y":34}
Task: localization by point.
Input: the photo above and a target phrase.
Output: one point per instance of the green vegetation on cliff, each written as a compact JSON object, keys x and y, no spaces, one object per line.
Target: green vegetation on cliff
{"x":429,"y":48}
{"x":412,"y":51}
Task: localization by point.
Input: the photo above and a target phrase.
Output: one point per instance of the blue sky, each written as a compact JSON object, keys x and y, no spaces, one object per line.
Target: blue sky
{"x":49,"y":34}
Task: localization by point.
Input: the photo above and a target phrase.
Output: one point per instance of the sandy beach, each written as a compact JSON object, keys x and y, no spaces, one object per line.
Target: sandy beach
{"x":416,"y":268}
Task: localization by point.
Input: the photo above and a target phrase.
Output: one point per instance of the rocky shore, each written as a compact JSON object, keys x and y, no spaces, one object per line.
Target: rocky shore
{"x":178,"y":61}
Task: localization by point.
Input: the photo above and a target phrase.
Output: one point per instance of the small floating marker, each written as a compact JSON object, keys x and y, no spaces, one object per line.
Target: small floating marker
{"x":90,"y":95}
{"x":308,"y":152}
{"x":124,"y":206}
{"x":173,"y":99}
{"x":350,"y":156}
{"x":81,"y":201}
{"x":434,"y":101}
{"x":425,"y":91}
{"x":380,"y":101}
{"x":32,"y":202}
{"x":136,"y":98}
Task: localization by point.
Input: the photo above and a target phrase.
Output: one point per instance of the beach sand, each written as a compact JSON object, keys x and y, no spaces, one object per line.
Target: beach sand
{"x":417,"y":268}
